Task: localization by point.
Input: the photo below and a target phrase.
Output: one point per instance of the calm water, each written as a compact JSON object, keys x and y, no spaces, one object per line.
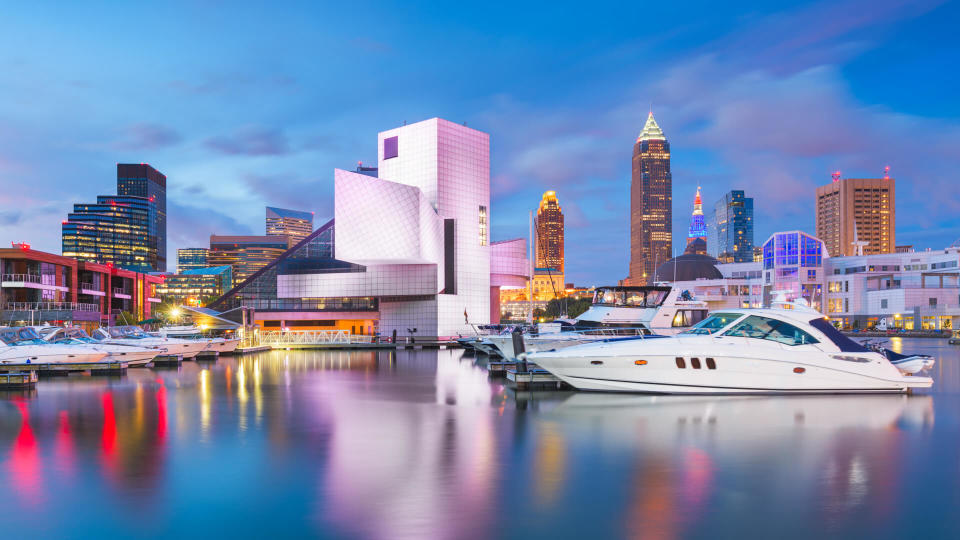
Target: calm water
{"x":422,"y":445}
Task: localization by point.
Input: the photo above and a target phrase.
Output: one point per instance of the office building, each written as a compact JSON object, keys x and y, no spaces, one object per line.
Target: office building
{"x":697,"y":236}
{"x":44,"y":288}
{"x":198,"y":286}
{"x":116,"y":230}
{"x":857,"y":214}
{"x":293,"y":224}
{"x":651,"y":204}
{"x":245,"y":254}
{"x":407,"y":251}
{"x":548,"y":280}
{"x":730,"y":229}
{"x":142,"y":180}
{"x":191,"y":259}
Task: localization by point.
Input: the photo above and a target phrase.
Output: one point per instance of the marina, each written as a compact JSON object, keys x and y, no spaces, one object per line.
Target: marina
{"x":393,"y":443}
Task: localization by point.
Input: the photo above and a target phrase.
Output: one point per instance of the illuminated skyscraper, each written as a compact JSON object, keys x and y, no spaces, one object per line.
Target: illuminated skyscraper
{"x":548,"y":280}
{"x":697,"y":237}
{"x":293,"y":224}
{"x":142,"y":180}
{"x":115,"y":230}
{"x":191,"y":259}
{"x":651,"y":202}
{"x":730,"y":229}
{"x":861,"y":207}
{"x":245,"y":254}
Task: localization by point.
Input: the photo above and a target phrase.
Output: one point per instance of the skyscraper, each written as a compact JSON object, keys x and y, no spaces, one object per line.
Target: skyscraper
{"x":293,"y":224}
{"x":697,"y":237}
{"x":142,"y":180}
{"x":858,"y":210}
{"x":245,"y":254}
{"x":191,"y":259}
{"x":116,"y":230}
{"x":548,"y":280}
{"x":651,"y":203}
{"x":731,"y":228}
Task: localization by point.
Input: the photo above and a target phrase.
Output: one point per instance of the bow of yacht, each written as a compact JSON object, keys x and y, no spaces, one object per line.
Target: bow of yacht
{"x":24,"y":345}
{"x":133,"y":355}
{"x":735,"y":351}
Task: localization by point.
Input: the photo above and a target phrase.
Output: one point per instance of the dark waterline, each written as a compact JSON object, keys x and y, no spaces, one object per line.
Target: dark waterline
{"x":421,"y":444}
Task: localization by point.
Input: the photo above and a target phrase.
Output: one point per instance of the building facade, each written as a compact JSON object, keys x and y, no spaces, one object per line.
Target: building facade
{"x":38,"y":288}
{"x":116,"y":230}
{"x":697,"y":235}
{"x":191,"y":259}
{"x":197,"y":286}
{"x":548,"y":279}
{"x":651,"y":204}
{"x":245,"y":254}
{"x":730,"y":229}
{"x":293,"y":224}
{"x":142,"y":180}
{"x":857,"y":213}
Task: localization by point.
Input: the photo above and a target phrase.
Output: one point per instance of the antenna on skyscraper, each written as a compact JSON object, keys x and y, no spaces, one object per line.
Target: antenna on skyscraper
{"x":886,"y":172}
{"x":836,"y":176}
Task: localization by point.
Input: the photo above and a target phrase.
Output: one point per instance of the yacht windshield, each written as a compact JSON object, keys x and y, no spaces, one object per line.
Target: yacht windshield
{"x":713,"y":324}
{"x":21,"y":336}
{"x":639,"y":297}
{"x":771,"y":329}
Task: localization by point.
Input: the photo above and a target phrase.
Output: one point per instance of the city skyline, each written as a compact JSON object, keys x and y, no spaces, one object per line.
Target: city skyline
{"x":775,"y":125}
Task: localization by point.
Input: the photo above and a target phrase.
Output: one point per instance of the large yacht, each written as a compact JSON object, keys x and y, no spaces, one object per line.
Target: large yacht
{"x":615,"y":311}
{"x":736,"y":351}
{"x":23,"y":345}
{"x":132,"y":354}
{"x":215,"y":344}
{"x":134,"y":335}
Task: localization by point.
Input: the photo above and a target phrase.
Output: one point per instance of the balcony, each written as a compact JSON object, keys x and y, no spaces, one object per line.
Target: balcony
{"x":121,"y":293}
{"x":51,"y":306}
{"x":37,"y":312}
{"x":21,"y":278}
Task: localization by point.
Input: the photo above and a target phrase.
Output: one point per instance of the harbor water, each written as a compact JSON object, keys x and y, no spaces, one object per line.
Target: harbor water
{"x":421,"y":444}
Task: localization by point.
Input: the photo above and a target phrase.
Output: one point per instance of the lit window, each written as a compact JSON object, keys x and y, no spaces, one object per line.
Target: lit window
{"x":483,"y":225}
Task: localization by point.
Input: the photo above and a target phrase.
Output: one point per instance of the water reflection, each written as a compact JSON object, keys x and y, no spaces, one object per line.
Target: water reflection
{"x":422,"y":444}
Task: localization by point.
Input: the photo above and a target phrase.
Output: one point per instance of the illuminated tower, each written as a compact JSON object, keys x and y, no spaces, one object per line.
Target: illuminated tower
{"x":697,"y":238}
{"x":548,"y":226}
{"x":651,"y":201}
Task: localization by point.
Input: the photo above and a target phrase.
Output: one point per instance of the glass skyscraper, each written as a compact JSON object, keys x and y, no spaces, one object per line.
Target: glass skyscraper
{"x":142,"y":180}
{"x":731,"y":228}
{"x":191,"y":259}
{"x":651,"y":204}
{"x":117,"y":230}
{"x":294,"y":224}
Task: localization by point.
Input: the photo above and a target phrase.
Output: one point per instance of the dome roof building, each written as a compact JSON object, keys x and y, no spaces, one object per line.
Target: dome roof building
{"x":688,"y":267}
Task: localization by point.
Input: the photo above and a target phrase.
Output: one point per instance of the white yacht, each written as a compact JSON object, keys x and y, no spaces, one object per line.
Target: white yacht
{"x":216,"y":344}
{"x":615,"y":311}
{"x":23,"y":346}
{"x":134,"y":335}
{"x":134,"y":355}
{"x":735,"y":351}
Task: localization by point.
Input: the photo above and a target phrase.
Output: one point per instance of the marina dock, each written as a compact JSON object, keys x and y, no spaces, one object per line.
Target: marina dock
{"x":109,"y":367}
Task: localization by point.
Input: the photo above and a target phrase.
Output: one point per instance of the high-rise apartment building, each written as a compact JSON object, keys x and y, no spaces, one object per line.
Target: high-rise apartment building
{"x":116,"y":230}
{"x":191,"y":259}
{"x":548,"y":280}
{"x":857,"y":213}
{"x":142,"y":180}
{"x":697,"y":236}
{"x":651,"y":204}
{"x":245,"y":254}
{"x":293,"y":224}
{"x":730,"y":228}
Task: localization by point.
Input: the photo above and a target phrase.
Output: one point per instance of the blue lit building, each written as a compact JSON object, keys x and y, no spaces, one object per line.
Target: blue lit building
{"x":731,"y":228}
{"x":697,"y":237}
{"x":191,"y":259}
{"x":142,"y":180}
{"x":793,"y":264}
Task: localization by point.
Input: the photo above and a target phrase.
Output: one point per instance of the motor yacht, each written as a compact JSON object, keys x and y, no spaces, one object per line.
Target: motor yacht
{"x":24,"y":346}
{"x":614,"y":312}
{"x":134,"y":355}
{"x":734,"y":351}
{"x":134,"y":335}
{"x":215,"y":344}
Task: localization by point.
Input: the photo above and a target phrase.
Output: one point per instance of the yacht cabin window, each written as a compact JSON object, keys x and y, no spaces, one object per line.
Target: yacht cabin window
{"x":758,"y":327}
{"x":714,"y":323}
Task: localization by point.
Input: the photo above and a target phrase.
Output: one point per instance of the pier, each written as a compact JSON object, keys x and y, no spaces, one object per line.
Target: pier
{"x":107,"y":367}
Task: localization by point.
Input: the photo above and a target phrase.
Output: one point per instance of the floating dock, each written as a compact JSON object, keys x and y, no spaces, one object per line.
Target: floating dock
{"x":18,"y":380}
{"x":535,"y":378}
{"x":107,"y":367}
{"x":168,"y":360}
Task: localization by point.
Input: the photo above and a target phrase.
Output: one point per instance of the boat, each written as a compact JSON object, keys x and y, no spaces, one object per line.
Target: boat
{"x":133,"y":355}
{"x":733,"y":351}
{"x":615,"y":312}
{"x":22,"y":345}
{"x":134,"y":335}
{"x":214,"y":344}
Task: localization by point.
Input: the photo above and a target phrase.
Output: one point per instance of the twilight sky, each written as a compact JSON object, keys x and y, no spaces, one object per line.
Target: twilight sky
{"x":246,"y":104}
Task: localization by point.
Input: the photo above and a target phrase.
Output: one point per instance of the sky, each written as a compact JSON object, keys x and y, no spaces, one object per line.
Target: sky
{"x":251,"y":104}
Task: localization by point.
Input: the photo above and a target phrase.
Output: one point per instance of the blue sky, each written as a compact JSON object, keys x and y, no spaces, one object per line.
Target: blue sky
{"x":244,"y":105}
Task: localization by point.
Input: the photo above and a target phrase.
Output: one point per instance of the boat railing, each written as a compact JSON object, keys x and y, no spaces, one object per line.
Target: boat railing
{"x":50,"y":306}
{"x":26,"y":278}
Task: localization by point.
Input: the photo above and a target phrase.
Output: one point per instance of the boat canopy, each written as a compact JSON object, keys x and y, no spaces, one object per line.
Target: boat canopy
{"x":635,"y":297}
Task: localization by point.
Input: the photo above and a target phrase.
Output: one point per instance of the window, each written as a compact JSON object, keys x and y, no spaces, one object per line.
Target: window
{"x":933,"y":302}
{"x":758,"y":327}
{"x":695,"y":363}
{"x":688,"y":317}
{"x":711,"y":364}
{"x":713,"y":323}
{"x":811,"y":275}
{"x":834,"y":286}
{"x":680,"y":363}
{"x":390,"y":148}
{"x":483,"y":225}
{"x":883,"y":303}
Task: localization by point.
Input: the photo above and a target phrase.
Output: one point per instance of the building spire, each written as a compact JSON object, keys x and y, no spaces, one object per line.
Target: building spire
{"x":651,"y":130}
{"x":698,"y":204}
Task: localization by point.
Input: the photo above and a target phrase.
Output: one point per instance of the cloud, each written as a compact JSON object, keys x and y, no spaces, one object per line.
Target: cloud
{"x":289,"y":190}
{"x":194,"y":225}
{"x":148,"y":137}
{"x":10,"y":217}
{"x":251,"y":141}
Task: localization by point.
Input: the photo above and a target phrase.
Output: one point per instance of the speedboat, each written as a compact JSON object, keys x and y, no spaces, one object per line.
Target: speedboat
{"x":214,"y":344}
{"x":615,"y":311}
{"x":134,"y":335}
{"x":735,"y":351}
{"x":24,"y":346}
{"x":133,"y":355}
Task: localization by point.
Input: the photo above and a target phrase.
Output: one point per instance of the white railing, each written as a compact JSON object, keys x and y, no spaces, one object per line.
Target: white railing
{"x":311,"y":337}
{"x":27,"y":278}
{"x":120,"y":291}
{"x":51,"y":306}
{"x":88,"y":286}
